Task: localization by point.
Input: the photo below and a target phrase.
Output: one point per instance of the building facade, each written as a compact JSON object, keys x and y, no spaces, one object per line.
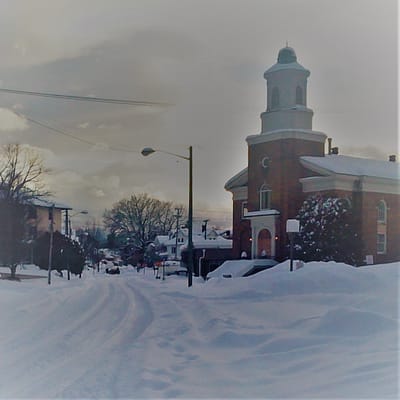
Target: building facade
{"x":287,"y":163}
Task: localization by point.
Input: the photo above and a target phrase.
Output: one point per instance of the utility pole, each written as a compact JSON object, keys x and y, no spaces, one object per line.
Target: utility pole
{"x":68,"y":235}
{"x":204,"y":228}
{"x":51,"y":218}
{"x":66,"y":223}
{"x":177,"y":215}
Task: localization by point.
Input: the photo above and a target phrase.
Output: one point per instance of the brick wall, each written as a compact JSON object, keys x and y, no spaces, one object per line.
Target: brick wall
{"x":241,"y":231}
{"x":282,"y":177}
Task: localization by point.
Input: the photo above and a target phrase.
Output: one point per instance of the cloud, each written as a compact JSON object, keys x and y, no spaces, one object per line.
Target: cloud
{"x":9,"y":121}
{"x":98,"y":193}
{"x":99,"y":147}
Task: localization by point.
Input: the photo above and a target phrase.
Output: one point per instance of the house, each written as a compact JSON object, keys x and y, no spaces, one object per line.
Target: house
{"x":39,"y":216}
{"x":39,"y":210}
{"x":287,"y":163}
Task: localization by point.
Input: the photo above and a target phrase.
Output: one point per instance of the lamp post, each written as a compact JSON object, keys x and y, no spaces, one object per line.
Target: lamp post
{"x":146,"y":152}
{"x":292,"y":227}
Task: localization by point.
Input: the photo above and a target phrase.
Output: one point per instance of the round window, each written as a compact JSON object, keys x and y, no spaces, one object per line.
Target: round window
{"x":265,"y":162}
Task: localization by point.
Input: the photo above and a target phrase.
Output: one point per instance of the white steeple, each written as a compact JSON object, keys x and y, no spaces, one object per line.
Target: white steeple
{"x":286,"y":95}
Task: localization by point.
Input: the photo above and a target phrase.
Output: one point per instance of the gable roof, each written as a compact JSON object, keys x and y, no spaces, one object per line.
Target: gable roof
{"x":353,"y":166}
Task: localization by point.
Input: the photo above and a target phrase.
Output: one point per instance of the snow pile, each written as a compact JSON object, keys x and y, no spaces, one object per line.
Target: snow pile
{"x":231,"y":268}
{"x":326,"y":330}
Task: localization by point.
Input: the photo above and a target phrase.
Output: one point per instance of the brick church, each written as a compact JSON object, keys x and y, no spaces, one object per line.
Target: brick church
{"x":288,"y":161}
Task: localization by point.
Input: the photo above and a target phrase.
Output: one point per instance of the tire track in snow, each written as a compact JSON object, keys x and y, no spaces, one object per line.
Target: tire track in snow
{"x":59,"y":347}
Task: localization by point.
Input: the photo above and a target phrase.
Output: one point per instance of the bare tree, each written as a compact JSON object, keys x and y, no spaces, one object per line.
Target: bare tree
{"x":140,"y":218}
{"x":21,"y":181}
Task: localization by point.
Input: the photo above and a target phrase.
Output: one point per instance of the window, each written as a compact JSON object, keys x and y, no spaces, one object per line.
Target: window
{"x":244,"y":209}
{"x":299,"y":95}
{"x":265,"y":162}
{"x":382,"y":212}
{"x":265,"y":198}
{"x":275,"y":98}
{"x":381,"y":243}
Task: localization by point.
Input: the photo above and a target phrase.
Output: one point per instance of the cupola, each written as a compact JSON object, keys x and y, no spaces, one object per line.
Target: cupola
{"x":286,"y":94}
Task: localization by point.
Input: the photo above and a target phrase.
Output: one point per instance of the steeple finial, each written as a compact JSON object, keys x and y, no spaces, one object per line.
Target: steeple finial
{"x":287,"y":44}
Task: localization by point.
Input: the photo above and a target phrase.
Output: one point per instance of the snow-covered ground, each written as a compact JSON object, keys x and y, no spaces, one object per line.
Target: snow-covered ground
{"x":324,"y":331}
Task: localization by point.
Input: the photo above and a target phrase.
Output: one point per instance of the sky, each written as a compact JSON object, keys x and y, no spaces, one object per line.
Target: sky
{"x":204,"y":60}
{"x":325,"y":331}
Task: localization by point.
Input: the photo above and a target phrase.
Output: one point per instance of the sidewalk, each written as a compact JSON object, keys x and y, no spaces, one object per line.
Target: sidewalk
{"x":18,"y":277}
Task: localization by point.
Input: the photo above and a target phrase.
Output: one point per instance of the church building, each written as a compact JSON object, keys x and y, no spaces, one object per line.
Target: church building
{"x":288,"y":161}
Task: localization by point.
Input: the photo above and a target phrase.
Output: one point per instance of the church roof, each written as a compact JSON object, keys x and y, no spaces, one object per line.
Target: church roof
{"x":354,"y":166}
{"x":239,"y":180}
{"x":334,"y":164}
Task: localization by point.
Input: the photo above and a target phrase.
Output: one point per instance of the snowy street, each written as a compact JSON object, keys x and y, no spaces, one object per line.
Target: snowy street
{"x":275,"y":334}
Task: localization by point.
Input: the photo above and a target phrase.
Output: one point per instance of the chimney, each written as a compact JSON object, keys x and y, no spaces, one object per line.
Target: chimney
{"x":335,"y":150}
{"x":392,"y":158}
{"x":330,"y":145}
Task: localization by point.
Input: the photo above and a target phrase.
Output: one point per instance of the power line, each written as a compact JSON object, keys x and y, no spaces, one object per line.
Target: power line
{"x":85,"y":98}
{"x":71,"y":136}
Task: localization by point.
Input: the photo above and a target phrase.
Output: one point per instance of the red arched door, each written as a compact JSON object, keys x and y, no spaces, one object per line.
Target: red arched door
{"x":264,"y":243}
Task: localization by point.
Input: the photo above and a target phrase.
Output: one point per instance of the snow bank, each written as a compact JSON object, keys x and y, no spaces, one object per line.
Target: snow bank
{"x":326,"y":330}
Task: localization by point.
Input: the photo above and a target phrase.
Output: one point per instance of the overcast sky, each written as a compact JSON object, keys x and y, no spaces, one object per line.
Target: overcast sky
{"x":205,"y":59}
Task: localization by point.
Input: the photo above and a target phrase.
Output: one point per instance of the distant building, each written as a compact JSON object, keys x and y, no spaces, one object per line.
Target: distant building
{"x":38,"y":212}
{"x":171,"y":246}
{"x":287,"y":163}
{"x":39,"y":216}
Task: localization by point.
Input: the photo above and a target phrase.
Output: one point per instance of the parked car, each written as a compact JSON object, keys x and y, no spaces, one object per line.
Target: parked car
{"x":113,"y":270}
{"x":241,"y":268}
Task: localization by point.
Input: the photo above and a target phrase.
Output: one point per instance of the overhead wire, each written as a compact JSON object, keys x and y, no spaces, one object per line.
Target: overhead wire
{"x":79,"y":98}
{"x":71,"y":136}
{"x":85,"y":98}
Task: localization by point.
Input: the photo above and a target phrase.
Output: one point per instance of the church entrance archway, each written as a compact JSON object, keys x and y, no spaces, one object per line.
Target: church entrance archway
{"x":264,"y":243}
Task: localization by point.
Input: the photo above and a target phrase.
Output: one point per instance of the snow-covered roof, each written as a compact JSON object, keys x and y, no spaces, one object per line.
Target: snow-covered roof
{"x":355,"y":166}
{"x":240,"y":179}
{"x":48,"y":204}
{"x":161,"y":239}
{"x":218,"y":243}
{"x":260,"y":213}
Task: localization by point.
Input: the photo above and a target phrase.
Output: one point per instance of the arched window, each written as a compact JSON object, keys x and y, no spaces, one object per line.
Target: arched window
{"x":275,"y":98}
{"x":265,"y":197}
{"x":382,"y":212}
{"x":299,"y":95}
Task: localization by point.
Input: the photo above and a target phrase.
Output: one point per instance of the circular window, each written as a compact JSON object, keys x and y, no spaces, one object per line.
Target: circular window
{"x":265,"y":162}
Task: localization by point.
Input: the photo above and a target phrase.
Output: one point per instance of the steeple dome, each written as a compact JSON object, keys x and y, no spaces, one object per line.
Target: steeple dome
{"x":286,"y":55}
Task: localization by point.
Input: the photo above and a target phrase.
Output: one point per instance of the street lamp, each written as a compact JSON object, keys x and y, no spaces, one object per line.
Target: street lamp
{"x":68,"y":228}
{"x":146,"y":152}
